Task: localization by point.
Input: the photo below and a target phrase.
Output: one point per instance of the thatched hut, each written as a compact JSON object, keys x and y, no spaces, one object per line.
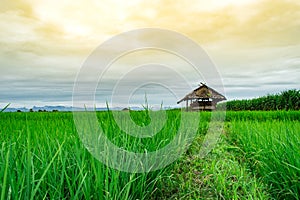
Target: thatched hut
{"x":202,"y":98}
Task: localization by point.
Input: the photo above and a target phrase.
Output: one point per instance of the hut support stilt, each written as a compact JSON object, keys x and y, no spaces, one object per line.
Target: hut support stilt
{"x":187,"y":104}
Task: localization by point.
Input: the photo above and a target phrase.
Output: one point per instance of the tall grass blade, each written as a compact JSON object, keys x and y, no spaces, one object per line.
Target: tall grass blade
{"x":5,"y":176}
{"x":45,"y":172}
{"x":4,"y":108}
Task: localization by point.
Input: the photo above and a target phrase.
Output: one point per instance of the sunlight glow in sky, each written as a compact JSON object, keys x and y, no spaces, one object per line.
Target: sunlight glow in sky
{"x":255,"y":44}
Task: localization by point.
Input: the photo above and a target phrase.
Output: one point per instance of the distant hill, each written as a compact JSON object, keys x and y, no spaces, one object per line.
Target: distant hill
{"x":66,"y":108}
{"x":286,"y":100}
{"x":9,"y":109}
{"x":52,"y":108}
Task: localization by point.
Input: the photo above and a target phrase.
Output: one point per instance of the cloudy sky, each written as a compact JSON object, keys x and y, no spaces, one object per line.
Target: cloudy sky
{"x":254,"y":44}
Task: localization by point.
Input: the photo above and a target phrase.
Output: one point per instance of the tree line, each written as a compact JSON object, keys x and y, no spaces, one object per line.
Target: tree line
{"x":286,"y":100}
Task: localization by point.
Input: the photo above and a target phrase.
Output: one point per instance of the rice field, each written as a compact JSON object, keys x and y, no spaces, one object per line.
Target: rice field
{"x":257,"y":157}
{"x":271,"y":150}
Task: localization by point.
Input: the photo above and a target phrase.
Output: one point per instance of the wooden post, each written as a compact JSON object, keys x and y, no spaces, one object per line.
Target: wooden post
{"x":187,"y":103}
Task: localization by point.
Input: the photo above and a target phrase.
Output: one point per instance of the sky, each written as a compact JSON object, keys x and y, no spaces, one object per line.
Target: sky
{"x":254,"y":44}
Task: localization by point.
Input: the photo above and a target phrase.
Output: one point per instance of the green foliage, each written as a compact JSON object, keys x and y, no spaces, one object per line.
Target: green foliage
{"x":218,"y":176}
{"x":271,"y":148}
{"x":257,"y":157}
{"x":287,"y":100}
{"x":262,"y":116}
{"x":43,"y":158}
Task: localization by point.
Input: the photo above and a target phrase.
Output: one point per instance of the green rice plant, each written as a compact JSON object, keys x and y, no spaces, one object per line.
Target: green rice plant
{"x":43,"y":157}
{"x":217,"y":176}
{"x":262,"y":116}
{"x":272,"y":150}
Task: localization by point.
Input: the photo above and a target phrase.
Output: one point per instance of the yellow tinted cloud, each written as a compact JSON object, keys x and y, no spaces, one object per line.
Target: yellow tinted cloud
{"x":49,"y":40}
{"x":85,"y":24}
{"x":269,"y":22}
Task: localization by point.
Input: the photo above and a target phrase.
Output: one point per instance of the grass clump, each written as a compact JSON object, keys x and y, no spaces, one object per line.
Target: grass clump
{"x":271,"y":149}
{"x":218,"y":176}
{"x":42,"y":157}
{"x":257,"y":157}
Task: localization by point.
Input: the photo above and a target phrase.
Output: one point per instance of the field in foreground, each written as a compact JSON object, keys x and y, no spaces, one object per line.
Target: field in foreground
{"x":257,"y":157}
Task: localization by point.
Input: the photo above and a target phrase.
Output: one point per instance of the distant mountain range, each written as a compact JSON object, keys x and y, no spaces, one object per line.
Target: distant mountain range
{"x":36,"y":108}
{"x":66,"y":108}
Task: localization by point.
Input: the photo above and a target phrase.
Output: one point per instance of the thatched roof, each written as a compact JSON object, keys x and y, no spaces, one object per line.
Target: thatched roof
{"x":203,"y":91}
